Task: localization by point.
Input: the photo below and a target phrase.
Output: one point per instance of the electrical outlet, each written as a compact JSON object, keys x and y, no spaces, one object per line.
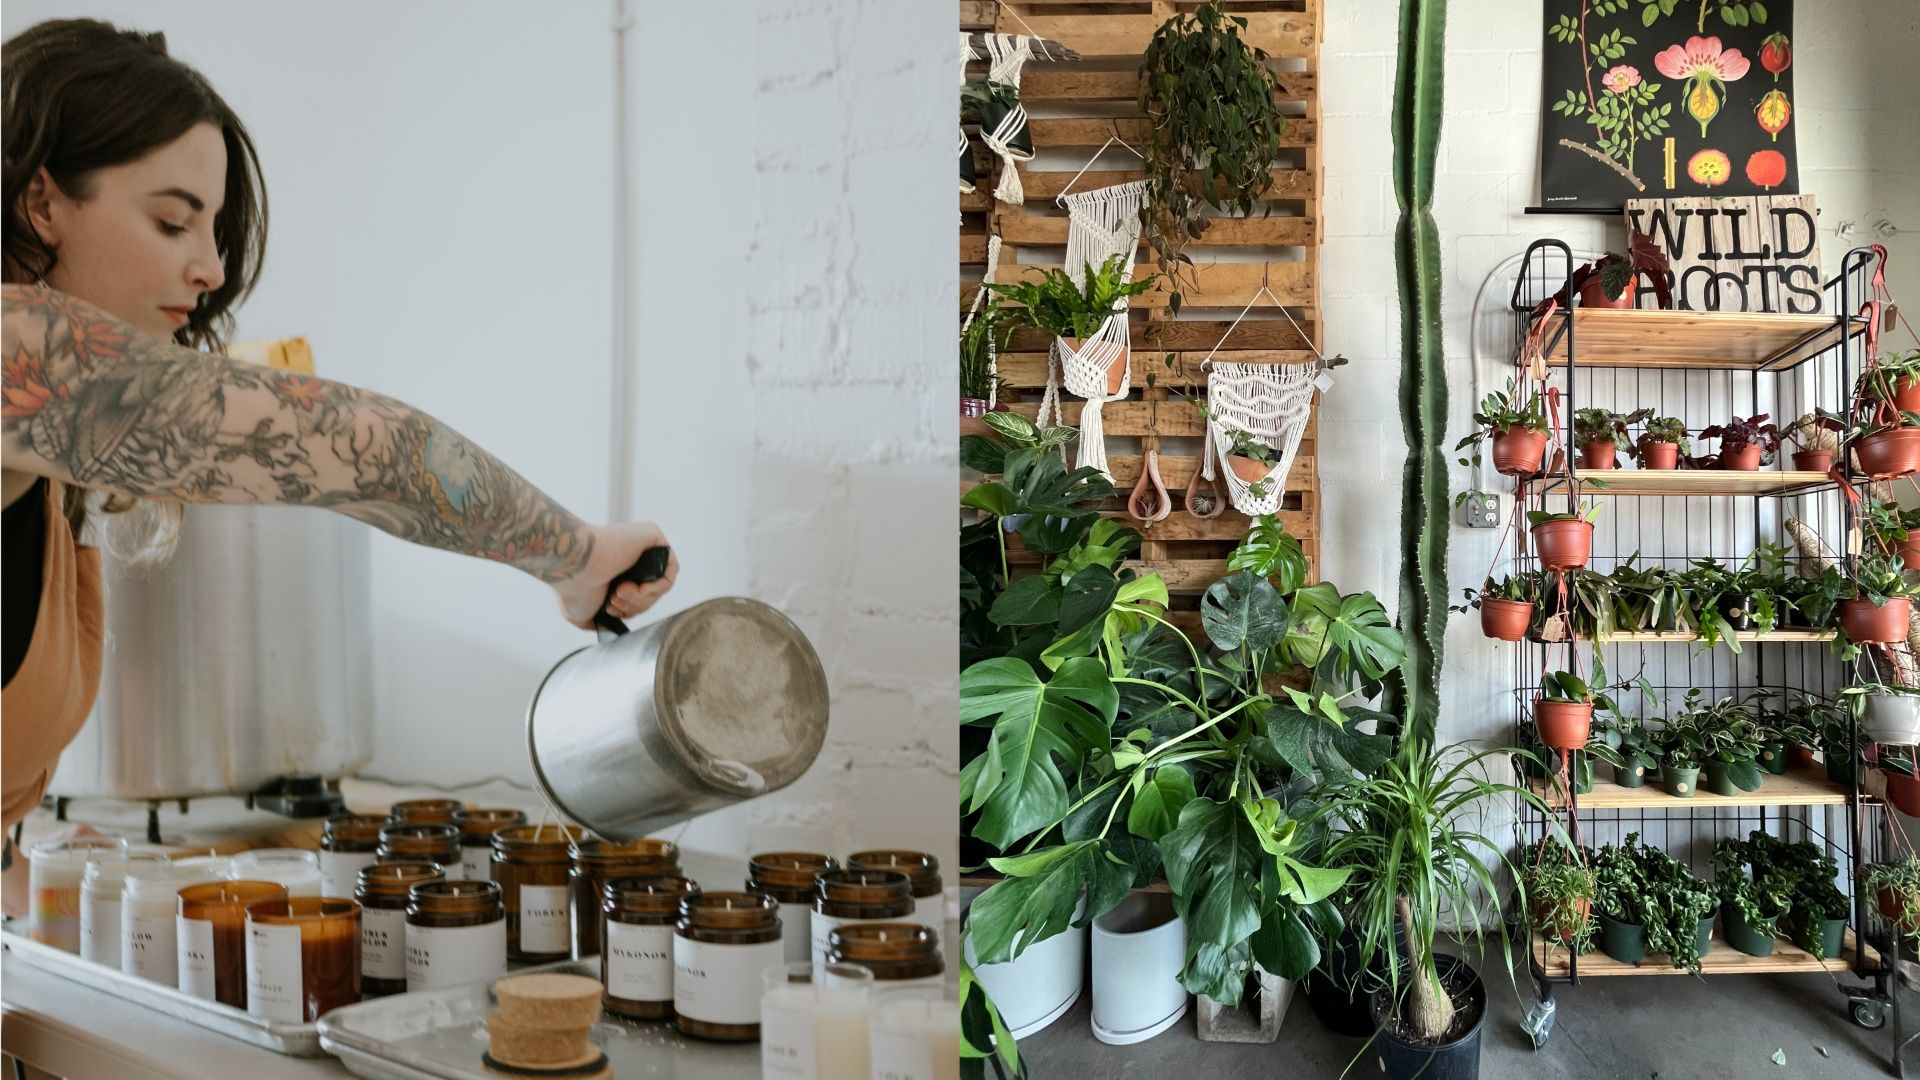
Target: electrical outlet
{"x":1483,"y":510}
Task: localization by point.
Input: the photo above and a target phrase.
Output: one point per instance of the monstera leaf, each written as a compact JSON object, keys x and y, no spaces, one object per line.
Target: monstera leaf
{"x":1341,"y":636}
{"x":1243,"y":609}
{"x":1316,"y":736}
{"x":1271,"y":552}
{"x":1213,"y":861}
{"x":1038,"y":897}
{"x":1016,"y":785}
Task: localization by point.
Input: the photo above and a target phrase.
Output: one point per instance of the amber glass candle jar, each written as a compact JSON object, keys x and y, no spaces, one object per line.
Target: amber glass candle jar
{"x":722,"y":944}
{"x":383,"y":892}
{"x":348,"y":844}
{"x":595,"y":862}
{"x":437,"y":844}
{"x":844,"y":896}
{"x":636,"y":955}
{"x":476,"y":838}
{"x":456,"y":933}
{"x":923,"y":875}
{"x":531,"y":864}
{"x":898,"y":953}
{"x":303,"y":957}
{"x":425,"y":811}
{"x":212,"y":937}
{"x":788,"y":876}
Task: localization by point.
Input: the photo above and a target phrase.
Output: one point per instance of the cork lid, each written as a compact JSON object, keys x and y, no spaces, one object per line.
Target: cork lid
{"x":741,"y":696}
{"x":549,"y":1000}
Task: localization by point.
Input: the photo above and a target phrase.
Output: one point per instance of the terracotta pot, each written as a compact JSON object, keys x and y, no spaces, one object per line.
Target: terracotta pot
{"x":1813,"y":460}
{"x":1890,"y":453}
{"x":1598,"y":455}
{"x":1581,"y":907}
{"x":1906,"y":394}
{"x":1660,"y":455}
{"x":1505,"y":620}
{"x":1865,"y":624}
{"x":1745,"y":459}
{"x":1889,"y":903}
{"x":1564,"y":725}
{"x":1801,"y":757}
{"x":1563,"y":545}
{"x":1116,"y":371}
{"x":1592,"y":295}
{"x":1518,"y":451}
{"x":1903,"y":792}
{"x":1248,"y":470}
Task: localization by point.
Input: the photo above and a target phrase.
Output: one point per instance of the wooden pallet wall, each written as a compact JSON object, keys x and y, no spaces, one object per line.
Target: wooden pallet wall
{"x":1074,"y":107}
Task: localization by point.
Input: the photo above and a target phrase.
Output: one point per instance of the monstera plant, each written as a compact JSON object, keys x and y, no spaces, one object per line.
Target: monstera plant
{"x":1121,"y":750}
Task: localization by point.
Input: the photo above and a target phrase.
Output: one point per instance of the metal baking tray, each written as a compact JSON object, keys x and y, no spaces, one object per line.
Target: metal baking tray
{"x":294,"y":1040}
{"x":440,"y":1035}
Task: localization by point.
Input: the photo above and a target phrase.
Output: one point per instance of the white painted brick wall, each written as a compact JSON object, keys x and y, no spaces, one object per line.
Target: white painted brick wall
{"x":1858,"y":153}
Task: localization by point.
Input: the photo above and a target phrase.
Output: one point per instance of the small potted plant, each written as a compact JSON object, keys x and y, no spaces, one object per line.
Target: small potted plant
{"x":982,"y":339}
{"x":1745,"y":444}
{"x":1880,"y":599}
{"x":1902,"y":780}
{"x":1768,"y":731}
{"x":1638,"y":887}
{"x":1817,"y":434}
{"x":1628,"y":748}
{"x":1563,"y":541}
{"x":1817,"y":910}
{"x":1518,"y":431}
{"x":1599,"y":433}
{"x":1835,"y":737}
{"x":1896,"y":889}
{"x":1888,"y":714}
{"x":1617,"y":893}
{"x":1559,"y":893}
{"x":1650,"y":598}
{"x":1894,"y":531}
{"x":1726,"y":732}
{"x":1751,"y":905}
{"x":1896,"y":380}
{"x":1661,"y":443}
{"x":1252,"y":460}
{"x":1076,"y":311}
{"x":1886,"y":445}
{"x":1563,"y":711}
{"x":1614,"y":280}
{"x":1683,"y":750}
{"x":1506,"y":606}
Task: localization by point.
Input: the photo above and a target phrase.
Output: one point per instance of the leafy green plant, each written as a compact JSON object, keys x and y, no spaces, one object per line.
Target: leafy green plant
{"x":1741,"y":432}
{"x":1065,"y":308}
{"x":984,"y":1038}
{"x":1661,"y":429}
{"x":1520,"y":588}
{"x":1681,"y":742}
{"x":1499,"y":413}
{"x":1605,"y":426}
{"x":1894,"y":368}
{"x":1624,"y":742}
{"x":1877,"y":578}
{"x":1269,"y":551}
{"x":1761,"y":898}
{"x":1560,"y":890}
{"x":1213,"y":131}
{"x":1641,"y":884}
{"x":1650,"y":598}
{"x":980,"y":341}
{"x":1805,"y":875}
{"x":1902,"y":877}
{"x":1586,"y":514}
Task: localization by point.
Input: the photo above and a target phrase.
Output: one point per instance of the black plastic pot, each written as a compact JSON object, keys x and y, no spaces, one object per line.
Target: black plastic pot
{"x":1839,"y":770}
{"x":1456,"y":1060}
{"x":1746,"y":937}
{"x":1622,"y":941}
{"x":1737,"y":609}
{"x":1337,"y":989}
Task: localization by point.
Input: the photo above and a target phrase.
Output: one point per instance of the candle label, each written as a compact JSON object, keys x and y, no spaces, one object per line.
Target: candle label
{"x":340,"y":872}
{"x":100,"y":929}
{"x":796,"y":929}
{"x":639,"y":962}
{"x":147,"y":946}
{"x":822,"y":926}
{"x":450,"y":955}
{"x":383,"y":943}
{"x":786,"y":1034}
{"x":273,"y":972}
{"x":931,"y":911}
{"x":543,"y":919}
{"x":476,"y":863}
{"x":720,"y":984}
{"x":195,"y":939}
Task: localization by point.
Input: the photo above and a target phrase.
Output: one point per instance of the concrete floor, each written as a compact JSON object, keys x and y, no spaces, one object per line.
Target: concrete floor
{"x":1723,"y":1027}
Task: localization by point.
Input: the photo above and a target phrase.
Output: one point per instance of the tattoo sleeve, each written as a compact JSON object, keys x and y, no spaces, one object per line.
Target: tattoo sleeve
{"x":90,"y":400}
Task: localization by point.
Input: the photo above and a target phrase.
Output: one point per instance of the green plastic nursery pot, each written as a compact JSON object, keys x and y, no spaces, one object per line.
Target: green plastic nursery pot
{"x":1773,"y":758}
{"x":1622,"y":941}
{"x":1717,"y":780}
{"x":1630,"y":776}
{"x":1679,"y":783}
{"x":1752,"y":939}
{"x":1703,"y":936}
{"x":1839,"y":770}
{"x":1833,"y":933}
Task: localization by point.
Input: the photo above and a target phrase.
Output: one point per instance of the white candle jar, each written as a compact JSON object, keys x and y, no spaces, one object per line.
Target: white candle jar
{"x":298,"y":870}
{"x":54,"y":872}
{"x":150,"y":909}
{"x":101,"y":934}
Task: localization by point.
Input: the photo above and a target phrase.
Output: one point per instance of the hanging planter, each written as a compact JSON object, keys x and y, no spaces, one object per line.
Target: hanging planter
{"x":1519,"y":451}
{"x":1561,"y":541}
{"x":1505,"y":620}
{"x":1563,"y":725}
{"x":1889,"y":453}
{"x":1903,"y":791}
{"x":1866,"y":623}
{"x":1890,"y":716}
{"x":1518,"y":431}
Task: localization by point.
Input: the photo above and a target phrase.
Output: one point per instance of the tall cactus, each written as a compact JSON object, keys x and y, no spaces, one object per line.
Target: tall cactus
{"x":1423,"y":382}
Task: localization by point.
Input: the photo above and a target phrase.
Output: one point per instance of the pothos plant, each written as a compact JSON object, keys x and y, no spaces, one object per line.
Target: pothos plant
{"x":1213,"y":131}
{"x":1123,"y":750}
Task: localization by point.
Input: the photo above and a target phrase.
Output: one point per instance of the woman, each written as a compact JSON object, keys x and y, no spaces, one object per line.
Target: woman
{"x":137,"y":221}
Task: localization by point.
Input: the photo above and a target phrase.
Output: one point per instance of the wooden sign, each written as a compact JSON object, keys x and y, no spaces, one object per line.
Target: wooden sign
{"x":1743,"y":253}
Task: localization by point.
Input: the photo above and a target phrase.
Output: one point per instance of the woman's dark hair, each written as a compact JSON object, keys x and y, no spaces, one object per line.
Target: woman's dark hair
{"x":82,"y":95}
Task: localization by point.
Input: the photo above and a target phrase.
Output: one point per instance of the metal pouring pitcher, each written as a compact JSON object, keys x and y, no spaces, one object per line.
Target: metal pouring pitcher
{"x":721,"y":702}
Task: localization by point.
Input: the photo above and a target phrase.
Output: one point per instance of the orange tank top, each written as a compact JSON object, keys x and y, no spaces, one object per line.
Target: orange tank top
{"x":48,"y":698}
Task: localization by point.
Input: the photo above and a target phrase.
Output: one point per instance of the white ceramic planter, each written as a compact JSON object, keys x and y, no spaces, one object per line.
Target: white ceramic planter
{"x":1138,"y":950}
{"x":1892,"y":718}
{"x":1037,"y":987}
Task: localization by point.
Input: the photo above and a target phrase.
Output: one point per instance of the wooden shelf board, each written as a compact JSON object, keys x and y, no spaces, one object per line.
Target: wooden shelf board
{"x":1654,"y":637}
{"x":1799,"y":787}
{"x":1721,"y":959}
{"x":1693,"y":482}
{"x":1753,"y":341}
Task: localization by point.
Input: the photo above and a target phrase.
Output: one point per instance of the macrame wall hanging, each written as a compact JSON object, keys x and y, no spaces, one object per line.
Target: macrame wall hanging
{"x":1003,"y":119}
{"x":967,"y":176}
{"x":1269,"y":405}
{"x":1101,"y":224}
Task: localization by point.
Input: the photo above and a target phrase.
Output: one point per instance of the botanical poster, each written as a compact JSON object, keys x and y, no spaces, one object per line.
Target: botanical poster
{"x":1648,"y":99}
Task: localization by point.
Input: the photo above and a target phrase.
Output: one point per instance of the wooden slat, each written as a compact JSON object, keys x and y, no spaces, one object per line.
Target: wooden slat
{"x":1122,"y":418}
{"x":1181,"y":525}
{"x":1177,"y":469}
{"x":1720,"y":959}
{"x":1215,"y":284}
{"x":1073,"y":82}
{"x":1196,"y":334}
{"x":1275,"y":231}
{"x":1042,"y":186}
{"x":978,"y":14}
{"x":1028,"y":370}
{"x":1629,"y":337}
{"x":1067,"y":133}
{"x":1279,"y":33}
{"x":981,"y":198}
{"x":1801,"y":787}
{"x":1695,"y":481}
{"x":973,"y":249}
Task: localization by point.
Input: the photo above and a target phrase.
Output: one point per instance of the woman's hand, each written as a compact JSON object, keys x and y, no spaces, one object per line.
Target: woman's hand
{"x":615,"y":549}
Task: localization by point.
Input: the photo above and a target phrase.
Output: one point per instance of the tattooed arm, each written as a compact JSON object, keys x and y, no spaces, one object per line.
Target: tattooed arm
{"x":91,"y":401}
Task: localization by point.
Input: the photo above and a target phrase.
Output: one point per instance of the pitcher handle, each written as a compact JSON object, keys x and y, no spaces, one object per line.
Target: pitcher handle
{"x":650,"y":566}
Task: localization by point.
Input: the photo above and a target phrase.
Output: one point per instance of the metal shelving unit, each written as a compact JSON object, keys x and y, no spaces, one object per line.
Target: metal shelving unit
{"x":1705,"y":367}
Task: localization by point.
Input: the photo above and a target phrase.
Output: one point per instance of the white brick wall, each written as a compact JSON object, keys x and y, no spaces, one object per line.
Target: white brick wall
{"x":1858,"y":154}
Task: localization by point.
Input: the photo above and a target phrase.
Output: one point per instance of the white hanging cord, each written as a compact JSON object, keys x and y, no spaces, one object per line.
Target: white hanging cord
{"x":1006,"y":55}
{"x":619,"y":474}
{"x":1061,"y":199}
